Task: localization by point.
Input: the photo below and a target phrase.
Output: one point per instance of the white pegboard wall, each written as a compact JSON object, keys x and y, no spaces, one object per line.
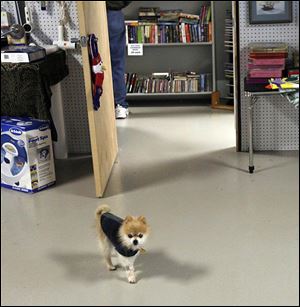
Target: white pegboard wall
{"x":276,"y":121}
{"x":73,"y":92}
{"x":9,"y":6}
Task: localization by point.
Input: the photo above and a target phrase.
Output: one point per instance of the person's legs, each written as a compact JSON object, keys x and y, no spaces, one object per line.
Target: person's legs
{"x":117,"y":40}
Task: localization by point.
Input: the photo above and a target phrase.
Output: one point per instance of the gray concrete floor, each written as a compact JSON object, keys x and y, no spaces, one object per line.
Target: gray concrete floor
{"x":219,"y":235}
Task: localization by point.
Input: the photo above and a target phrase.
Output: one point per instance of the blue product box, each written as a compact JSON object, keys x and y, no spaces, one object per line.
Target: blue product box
{"x":27,"y":162}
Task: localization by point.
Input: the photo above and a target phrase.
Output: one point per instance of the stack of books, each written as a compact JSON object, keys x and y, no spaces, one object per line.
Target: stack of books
{"x":188,"y":18}
{"x":169,"y":15}
{"x":149,"y":14}
{"x":185,"y":82}
{"x":293,"y":72}
{"x":165,"y":82}
{"x":169,"y":26}
{"x":266,"y":61}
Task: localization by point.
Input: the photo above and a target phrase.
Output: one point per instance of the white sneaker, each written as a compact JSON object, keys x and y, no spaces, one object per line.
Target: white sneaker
{"x":120,"y":112}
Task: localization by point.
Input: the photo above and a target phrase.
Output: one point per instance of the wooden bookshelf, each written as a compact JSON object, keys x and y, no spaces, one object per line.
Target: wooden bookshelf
{"x":160,"y":61}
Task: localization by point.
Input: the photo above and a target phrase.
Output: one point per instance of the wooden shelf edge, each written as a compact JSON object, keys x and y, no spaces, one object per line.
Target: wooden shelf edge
{"x":223,"y":107}
{"x":215,"y":102}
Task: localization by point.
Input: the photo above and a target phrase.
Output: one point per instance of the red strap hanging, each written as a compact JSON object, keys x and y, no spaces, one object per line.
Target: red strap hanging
{"x":97,"y":71}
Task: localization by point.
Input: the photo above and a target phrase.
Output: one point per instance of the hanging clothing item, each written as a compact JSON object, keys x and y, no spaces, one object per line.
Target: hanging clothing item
{"x":97,"y":70}
{"x":26,"y":87}
{"x":117,"y":5}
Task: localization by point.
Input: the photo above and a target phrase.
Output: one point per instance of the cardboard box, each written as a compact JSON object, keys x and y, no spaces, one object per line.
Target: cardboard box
{"x":27,"y":162}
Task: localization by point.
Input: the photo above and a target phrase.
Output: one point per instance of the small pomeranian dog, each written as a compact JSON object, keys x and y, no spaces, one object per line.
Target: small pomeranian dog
{"x":127,"y":237}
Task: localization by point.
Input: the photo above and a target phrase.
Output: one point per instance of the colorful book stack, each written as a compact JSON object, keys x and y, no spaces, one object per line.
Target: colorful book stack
{"x":189,"y":82}
{"x":169,"y":26}
{"x":293,"y":72}
{"x":266,"y":61}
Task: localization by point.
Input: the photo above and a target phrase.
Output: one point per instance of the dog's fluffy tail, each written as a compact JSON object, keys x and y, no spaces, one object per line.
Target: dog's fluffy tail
{"x":99,"y":211}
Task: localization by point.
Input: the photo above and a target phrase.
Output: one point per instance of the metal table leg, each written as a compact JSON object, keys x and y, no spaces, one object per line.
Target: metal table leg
{"x":252,"y":101}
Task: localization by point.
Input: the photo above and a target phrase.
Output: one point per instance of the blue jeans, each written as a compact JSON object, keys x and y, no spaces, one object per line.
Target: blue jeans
{"x":117,"y":41}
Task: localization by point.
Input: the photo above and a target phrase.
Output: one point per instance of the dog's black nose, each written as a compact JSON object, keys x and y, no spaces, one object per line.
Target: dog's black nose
{"x":135,"y":242}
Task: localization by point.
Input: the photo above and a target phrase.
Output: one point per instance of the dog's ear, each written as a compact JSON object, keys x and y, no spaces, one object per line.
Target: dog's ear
{"x":128,"y":219}
{"x":142,"y":219}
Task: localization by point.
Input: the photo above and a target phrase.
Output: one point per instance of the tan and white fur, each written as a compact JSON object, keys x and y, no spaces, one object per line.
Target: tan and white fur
{"x":133,"y":234}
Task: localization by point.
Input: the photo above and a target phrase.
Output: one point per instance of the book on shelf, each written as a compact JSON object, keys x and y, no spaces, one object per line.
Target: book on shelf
{"x":265,"y":73}
{"x":149,"y":11}
{"x":189,"y":16}
{"x":268,"y":47}
{"x":252,"y":66}
{"x":169,"y":15}
{"x":205,"y":14}
{"x":256,"y":80}
{"x":149,"y":14}
{"x":267,"y":61}
{"x":188,"y":21}
{"x":22,"y":54}
{"x":165,"y":82}
{"x":260,"y":55}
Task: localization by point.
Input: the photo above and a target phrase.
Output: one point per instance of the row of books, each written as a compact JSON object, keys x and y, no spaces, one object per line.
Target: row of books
{"x":167,"y":32}
{"x":189,"y":82}
{"x":205,"y":14}
{"x":228,"y":47}
{"x":266,"y":60}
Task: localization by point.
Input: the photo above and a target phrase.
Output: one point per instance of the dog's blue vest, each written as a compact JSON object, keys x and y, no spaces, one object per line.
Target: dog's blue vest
{"x":110,"y":225}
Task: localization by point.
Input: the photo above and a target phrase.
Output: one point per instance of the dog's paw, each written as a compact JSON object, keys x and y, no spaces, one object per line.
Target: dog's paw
{"x":132,"y":279}
{"x":111,"y":267}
